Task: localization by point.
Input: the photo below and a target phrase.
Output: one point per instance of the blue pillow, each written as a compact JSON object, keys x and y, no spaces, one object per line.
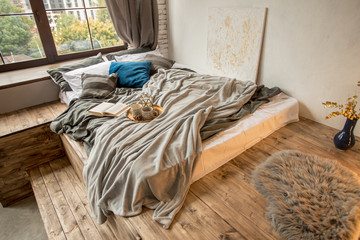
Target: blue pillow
{"x":131,"y":74}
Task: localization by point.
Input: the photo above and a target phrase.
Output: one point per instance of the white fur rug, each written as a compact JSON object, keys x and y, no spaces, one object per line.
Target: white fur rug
{"x":310,"y":197}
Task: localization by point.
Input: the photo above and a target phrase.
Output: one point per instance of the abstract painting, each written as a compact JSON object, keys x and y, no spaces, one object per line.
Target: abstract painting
{"x":234,"y":41}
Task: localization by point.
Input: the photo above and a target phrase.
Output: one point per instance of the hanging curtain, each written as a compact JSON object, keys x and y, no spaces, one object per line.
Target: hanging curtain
{"x":136,"y":21}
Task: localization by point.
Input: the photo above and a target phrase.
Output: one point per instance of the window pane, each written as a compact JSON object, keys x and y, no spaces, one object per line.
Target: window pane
{"x":102,"y":30}
{"x":70,"y":31}
{"x":14,"y":6}
{"x":62,"y":4}
{"x":19,"y":40}
{"x":95,"y":3}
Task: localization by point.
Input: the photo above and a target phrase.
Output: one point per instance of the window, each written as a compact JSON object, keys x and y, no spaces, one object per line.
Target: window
{"x":34,"y":32}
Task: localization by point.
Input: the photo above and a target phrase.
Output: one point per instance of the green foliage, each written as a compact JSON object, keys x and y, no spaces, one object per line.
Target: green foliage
{"x":14,"y":35}
{"x":65,"y":20}
{"x":15,"y":30}
{"x":69,"y":29}
{"x":7,"y":7}
{"x":72,"y":35}
{"x":102,"y":14}
{"x":104,"y":32}
{"x":35,"y":47}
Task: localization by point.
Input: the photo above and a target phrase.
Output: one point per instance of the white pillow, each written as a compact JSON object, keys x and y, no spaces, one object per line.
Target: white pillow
{"x":74,"y":77}
{"x":137,"y":56}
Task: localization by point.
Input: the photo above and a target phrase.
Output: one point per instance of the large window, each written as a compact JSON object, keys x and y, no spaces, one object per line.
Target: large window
{"x":34,"y":32}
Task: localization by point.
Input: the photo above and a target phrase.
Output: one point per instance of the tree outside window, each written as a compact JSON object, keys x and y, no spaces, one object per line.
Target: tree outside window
{"x":76,"y":26}
{"x":19,"y":40}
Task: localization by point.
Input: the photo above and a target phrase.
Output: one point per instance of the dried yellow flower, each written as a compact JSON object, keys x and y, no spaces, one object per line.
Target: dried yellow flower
{"x":349,"y":110}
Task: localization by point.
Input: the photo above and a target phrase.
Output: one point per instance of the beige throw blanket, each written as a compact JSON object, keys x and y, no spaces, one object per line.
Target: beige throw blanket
{"x":132,"y":165}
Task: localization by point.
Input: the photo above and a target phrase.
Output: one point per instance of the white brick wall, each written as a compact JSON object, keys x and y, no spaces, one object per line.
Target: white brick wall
{"x":162,"y":36}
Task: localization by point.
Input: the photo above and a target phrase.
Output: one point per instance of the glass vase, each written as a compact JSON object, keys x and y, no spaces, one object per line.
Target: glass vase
{"x":345,"y":139}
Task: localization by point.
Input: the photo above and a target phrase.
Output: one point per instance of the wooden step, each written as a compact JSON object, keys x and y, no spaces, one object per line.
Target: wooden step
{"x":20,"y":120}
{"x":26,"y":141}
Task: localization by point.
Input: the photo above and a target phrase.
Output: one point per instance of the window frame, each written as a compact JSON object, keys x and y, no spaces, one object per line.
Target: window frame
{"x":48,"y":43}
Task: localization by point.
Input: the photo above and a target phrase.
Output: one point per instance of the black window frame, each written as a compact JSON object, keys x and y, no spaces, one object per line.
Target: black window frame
{"x":48,"y":43}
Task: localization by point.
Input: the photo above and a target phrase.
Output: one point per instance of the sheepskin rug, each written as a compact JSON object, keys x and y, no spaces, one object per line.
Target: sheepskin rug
{"x":309,"y":197}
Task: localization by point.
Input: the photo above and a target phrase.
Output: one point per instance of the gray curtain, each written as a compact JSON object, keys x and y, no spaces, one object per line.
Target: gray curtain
{"x":135,"y":21}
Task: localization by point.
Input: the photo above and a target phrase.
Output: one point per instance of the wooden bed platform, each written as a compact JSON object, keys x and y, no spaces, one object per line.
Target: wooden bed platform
{"x":222,"y":205}
{"x":25,"y":142}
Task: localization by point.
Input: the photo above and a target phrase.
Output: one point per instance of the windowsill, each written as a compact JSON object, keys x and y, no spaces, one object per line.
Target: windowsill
{"x":28,"y":75}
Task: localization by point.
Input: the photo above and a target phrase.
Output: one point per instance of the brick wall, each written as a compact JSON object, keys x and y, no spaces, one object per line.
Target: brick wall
{"x":162,"y":37}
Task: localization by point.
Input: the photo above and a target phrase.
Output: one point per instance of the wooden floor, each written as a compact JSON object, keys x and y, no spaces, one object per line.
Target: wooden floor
{"x":26,"y":118}
{"x":222,"y":205}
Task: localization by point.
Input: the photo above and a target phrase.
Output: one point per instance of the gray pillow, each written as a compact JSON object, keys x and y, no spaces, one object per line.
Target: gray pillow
{"x":158,"y":62}
{"x":56,"y":74}
{"x":111,"y":56}
{"x":98,"y":86}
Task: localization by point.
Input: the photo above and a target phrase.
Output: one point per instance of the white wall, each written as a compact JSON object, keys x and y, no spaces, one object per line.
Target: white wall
{"x":28,"y":95}
{"x":311,"y":48}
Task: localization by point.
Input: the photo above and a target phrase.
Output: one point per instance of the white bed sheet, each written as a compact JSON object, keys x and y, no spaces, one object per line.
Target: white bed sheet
{"x":66,"y":97}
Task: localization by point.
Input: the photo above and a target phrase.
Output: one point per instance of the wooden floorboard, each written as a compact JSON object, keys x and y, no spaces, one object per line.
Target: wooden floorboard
{"x":63,"y":211}
{"x":23,"y":119}
{"x":83,"y":220}
{"x":79,"y":188}
{"x":222,"y":205}
{"x":223,"y":193}
{"x":47,"y":210}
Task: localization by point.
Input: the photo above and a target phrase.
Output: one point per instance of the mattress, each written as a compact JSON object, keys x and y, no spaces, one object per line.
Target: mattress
{"x":66,"y":97}
{"x":245,"y":133}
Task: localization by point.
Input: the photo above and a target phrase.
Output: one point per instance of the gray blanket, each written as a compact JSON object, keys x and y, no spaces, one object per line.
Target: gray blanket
{"x":132,"y":165}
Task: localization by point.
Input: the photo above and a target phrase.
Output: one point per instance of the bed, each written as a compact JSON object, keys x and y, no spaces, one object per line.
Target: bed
{"x":124,"y":171}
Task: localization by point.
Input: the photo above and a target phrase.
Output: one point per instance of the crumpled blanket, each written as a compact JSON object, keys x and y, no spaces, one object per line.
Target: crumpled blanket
{"x":132,"y":165}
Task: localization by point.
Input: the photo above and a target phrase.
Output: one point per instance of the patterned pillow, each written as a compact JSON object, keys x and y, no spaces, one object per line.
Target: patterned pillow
{"x":98,"y":86}
{"x":158,"y":62}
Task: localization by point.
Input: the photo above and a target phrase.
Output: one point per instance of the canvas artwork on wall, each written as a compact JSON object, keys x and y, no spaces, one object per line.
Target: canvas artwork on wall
{"x":234,"y":41}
